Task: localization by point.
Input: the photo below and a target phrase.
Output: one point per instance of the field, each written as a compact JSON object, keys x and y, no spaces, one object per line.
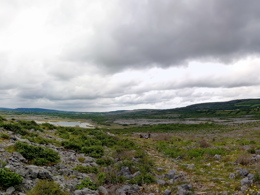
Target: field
{"x":189,"y":152}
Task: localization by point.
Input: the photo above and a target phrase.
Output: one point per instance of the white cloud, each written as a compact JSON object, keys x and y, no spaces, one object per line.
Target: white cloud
{"x":102,"y":55}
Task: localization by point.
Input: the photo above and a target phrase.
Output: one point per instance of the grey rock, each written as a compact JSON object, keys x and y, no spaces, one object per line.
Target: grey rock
{"x":10,"y":191}
{"x":17,"y":157}
{"x":159,"y":169}
{"x":34,"y":172}
{"x":44,"y":174}
{"x":218,"y":157}
{"x":136,"y":174}
{"x":128,"y":190}
{"x":184,"y":189}
{"x":88,"y":160}
{"x":250,"y":176}
{"x":160,"y":176}
{"x":246,"y":181}
{"x":160,"y":182}
{"x":171,"y":181}
{"x":186,"y":186}
{"x":170,"y":174}
{"x":65,"y":171}
{"x":126,"y":172}
{"x":102,"y":190}
{"x":232,"y":175}
{"x":243,"y":172}
{"x":27,"y":184}
{"x":85,"y":191}
{"x":191,"y":166}
{"x":208,"y":165}
{"x":167,"y":192}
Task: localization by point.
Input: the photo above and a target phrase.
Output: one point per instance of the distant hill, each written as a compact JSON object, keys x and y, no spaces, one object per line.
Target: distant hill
{"x":229,"y":105}
{"x":242,"y":104}
{"x":31,"y":110}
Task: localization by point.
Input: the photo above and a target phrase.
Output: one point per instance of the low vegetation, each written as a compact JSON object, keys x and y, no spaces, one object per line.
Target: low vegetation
{"x":45,"y":187}
{"x":209,"y":155}
{"x":8,"y":178}
{"x":37,"y":155}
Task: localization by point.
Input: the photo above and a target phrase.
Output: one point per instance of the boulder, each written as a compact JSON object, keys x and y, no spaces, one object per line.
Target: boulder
{"x":126,"y":172}
{"x":85,"y":191}
{"x":167,"y":192}
{"x":243,"y":172}
{"x":10,"y":191}
{"x":102,"y":190}
{"x":246,"y":181}
{"x":160,"y":182}
{"x":128,"y":190}
{"x":170,"y":174}
{"x":34,"y":172}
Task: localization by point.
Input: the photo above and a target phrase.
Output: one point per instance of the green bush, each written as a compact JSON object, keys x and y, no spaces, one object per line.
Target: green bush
{"x":4,"y":136}
{"x":14,"y":128}
{"x":45,"y":187}
{"x":93,"y":151}
{"x":104,"y":161}
{"x":39,"y":140}
{"x":126,"y":143}
{"x":72,"y":144}
{"x":29,"y":125}
{"x":86,"y":183}
{"x":111,"y":176}
{"x":9,"y":178}
{"x":48,"y":126}
{"x":2,"y":119}
{"x":257,"y":176}
{"x":36,"y":154}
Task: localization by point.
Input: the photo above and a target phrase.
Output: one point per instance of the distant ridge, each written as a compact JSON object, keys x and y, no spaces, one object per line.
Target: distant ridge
{"x":227,"y":105}
{"x":31,"y":110}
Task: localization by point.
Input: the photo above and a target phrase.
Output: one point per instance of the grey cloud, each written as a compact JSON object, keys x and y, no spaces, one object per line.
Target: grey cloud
{"x":169,"y":33}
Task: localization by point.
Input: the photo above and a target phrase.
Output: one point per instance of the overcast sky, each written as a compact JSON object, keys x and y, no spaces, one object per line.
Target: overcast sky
{"x":100,"y":55}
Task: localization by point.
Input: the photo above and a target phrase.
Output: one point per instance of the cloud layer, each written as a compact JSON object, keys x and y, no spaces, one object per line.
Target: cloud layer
{"x":99,"y":55}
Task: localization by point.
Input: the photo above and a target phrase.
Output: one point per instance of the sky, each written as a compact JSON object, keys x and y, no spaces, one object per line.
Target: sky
{"x":99,"y":55}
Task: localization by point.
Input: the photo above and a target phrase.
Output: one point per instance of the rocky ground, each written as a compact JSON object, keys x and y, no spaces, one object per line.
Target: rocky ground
{"x":213,"y":175}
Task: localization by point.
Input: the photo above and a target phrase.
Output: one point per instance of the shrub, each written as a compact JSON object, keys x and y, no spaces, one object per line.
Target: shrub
{"x":2,"y":163}
{"x":244,"y":159}
{"x":86,"y":183}
{"x":81,"y":159}
{"x":9,"y":178}
{"x":29,"y":125}
{"x":93,"y":151}
{"x":36,"y":154}
{"x":14,"y":128}
{"x":72,"y":144}
{"x":4,"y":136}
{"x":126,"y":143}
{"x":2,"y":119}
{"x":104,"y":161}
{"x":39,"y":140}
{"x":45,"y":187}
{"x":257,"y":173}
{"x":204,"y":144}
{"x":110,"y":176}
{"x":48,"y":126}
